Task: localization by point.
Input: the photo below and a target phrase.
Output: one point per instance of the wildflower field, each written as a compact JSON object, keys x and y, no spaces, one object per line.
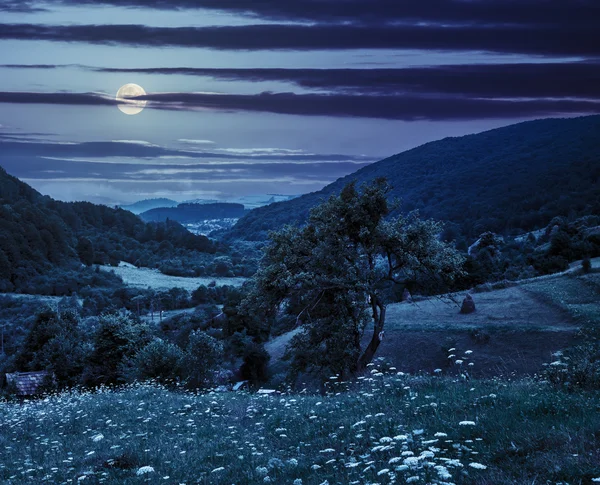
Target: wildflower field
{"x":388,"y":428}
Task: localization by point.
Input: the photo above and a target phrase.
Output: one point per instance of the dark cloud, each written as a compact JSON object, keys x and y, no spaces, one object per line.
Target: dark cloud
{"x":486,"y":80}
{"x":21,"y":6}
{"x":535,"y":80}
{"x":559,"y":40}
{"x":34,"y":66}
{"x":407,"y":108}
{"x":55,"y":98}
{"x":43,"y":168}
{"x":529,"y":12}
{"x":107,"y":149}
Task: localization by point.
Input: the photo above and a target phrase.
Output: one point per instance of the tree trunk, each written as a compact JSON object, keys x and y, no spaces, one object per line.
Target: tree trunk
{"x":371,"y":350}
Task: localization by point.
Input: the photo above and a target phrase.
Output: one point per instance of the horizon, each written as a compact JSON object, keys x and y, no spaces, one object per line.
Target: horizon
{"x":241,"y":100}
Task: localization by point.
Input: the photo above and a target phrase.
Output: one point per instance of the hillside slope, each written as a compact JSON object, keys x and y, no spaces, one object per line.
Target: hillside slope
{"x":513,"y":331}
{"x":513,"y":178}
{"x":39,"y":234}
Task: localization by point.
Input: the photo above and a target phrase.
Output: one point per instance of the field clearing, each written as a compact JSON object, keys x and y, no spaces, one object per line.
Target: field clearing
{"x":514,"y":330}
{"x":153,"y":278}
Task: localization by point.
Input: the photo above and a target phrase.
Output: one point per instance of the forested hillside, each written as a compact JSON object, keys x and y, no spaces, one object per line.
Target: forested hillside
{"x":39,"y":234}
{"x":507,"y":180}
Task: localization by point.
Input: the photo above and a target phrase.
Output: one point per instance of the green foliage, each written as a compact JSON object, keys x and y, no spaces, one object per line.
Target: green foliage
{"x":57,"y":343}
{"x":586,"y":265}
{"x":522,"y":432}
{"x":337,"y":273}
{"x":204,"y":355}
{"x":576,"y":368}
{"x":39,"y":234}
{"x":158,"y":360}
{"x":118,"y":337}
{"x":85,"y":251}
{"x":504,"y":180}
{"x":254,"y":368}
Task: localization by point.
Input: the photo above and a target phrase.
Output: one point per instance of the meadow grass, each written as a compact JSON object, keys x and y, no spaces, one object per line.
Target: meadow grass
{"x":576,"y":295}
{"x":384,"y":429}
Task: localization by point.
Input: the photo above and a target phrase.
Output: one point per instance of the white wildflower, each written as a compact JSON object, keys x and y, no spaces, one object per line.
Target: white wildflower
{"x":144,"y":470}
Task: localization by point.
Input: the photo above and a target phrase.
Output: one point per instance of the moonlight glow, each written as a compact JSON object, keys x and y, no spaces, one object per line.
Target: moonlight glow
{"x":130,"y":106}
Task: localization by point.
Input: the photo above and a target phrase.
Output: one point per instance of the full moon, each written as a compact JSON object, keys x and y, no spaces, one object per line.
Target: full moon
{"x":130,"y":106}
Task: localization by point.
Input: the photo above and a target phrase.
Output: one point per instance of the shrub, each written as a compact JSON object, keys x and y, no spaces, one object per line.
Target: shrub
{"x":254,"y":368}
{"x":204,"y":355}
{"x":158,"y":360}
{"x":586,"y":265}
{"x":576,"y":368}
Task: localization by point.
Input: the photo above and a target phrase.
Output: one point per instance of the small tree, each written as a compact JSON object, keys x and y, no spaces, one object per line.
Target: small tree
{"x":586,"y":265}
{"x":204,"y":355}
{"x":117,"y":338}
{"x":85,"y":251}
{"x":340,"y":270}
{"x":158,"y":360}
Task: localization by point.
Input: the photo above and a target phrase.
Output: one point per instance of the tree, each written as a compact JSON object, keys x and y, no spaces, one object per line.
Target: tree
{"x":340,"y":270}
{"x":158,"y":360}
{"x":118,"y":337}
{"x":203,"y":358}
{"x":85,"y":251}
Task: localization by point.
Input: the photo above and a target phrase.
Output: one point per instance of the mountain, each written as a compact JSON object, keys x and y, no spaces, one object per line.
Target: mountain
{"x":186,"y":213}
{"x":148,"y":204}
{"x":39,"y":234}
{"x":510,"y":179}
{"x":249,"y":201}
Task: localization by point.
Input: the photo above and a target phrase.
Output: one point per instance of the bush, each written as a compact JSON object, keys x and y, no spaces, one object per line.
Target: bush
{"x":158,"y":360}
{"x":586,"y":265}
{"x":576,"y":368}
{"x":254,"y":368}
{"x":204,"y":355}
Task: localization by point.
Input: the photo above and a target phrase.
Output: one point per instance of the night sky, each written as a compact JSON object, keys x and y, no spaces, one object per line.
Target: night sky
{"x":272,"y":96}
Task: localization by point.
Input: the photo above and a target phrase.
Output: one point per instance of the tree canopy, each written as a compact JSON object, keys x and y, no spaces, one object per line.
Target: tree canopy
{"x":337,"y":274}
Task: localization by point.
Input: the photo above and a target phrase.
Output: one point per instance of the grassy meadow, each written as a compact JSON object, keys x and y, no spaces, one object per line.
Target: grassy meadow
{"x":447,"y":425}
{"x":387,"y":428}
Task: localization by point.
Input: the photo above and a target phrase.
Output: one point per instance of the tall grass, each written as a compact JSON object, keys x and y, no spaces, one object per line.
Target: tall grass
{"x":385,"y":429}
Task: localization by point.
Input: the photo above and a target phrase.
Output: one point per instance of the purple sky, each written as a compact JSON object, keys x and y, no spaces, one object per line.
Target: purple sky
{"x":272,"y":96}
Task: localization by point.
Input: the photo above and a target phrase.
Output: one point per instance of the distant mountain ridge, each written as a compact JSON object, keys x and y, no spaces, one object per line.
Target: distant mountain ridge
{"x":515,"y":178}
{"x":148,"y":204}
{"x":186,"y":213}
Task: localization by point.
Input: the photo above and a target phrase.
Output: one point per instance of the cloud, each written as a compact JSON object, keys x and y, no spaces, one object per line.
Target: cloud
{"x":401,"y":107}
{"x":407,"y":108}
{"x":564,"y":79}
{"x":20,"y":6}
{"x":187,"y":141}
{"x":132,"y":151}
{"x":553,"y":40}
{"x":530,"y":12}
{"x":56,"y":98}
